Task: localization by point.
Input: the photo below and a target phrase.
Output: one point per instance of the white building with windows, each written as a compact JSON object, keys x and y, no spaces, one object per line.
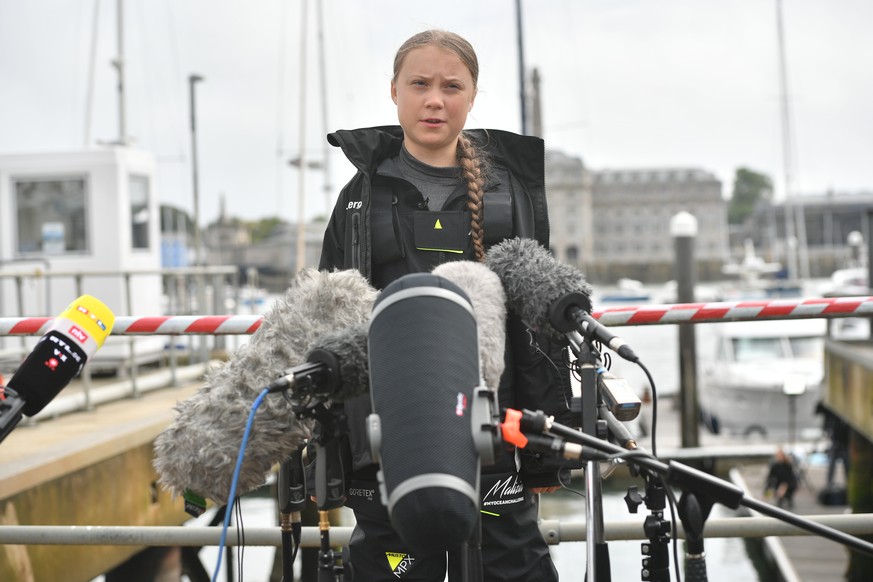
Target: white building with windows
{"x":74,"y":223}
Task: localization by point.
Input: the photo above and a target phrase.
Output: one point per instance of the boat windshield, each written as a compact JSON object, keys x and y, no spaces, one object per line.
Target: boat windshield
{"x":753,"y":349}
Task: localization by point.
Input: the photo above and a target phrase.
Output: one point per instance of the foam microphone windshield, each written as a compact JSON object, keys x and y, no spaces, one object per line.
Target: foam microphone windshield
{"x":424,"y":366}
{"x":198,"y":450}
{"x":535,"y":282}
{"x":344,"y":355}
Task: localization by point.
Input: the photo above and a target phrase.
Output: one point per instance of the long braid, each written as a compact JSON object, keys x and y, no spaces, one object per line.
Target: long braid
{"x":473,"y":169}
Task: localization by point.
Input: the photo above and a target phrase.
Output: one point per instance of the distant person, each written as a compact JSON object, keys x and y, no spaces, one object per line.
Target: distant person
{"x":838,"y":451}
{"x":781,"y":480}
{"x":480,"y":187}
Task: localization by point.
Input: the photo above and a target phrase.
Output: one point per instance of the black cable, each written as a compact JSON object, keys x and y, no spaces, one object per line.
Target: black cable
{"x":568,"y":488}
{"x":241,"y":535}
{"x":671,"y":497}
{"x":654,"y":407}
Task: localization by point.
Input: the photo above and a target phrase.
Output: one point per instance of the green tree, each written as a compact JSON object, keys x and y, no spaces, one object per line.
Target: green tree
{"x":750,"y":187}
{"x":261,"y":230}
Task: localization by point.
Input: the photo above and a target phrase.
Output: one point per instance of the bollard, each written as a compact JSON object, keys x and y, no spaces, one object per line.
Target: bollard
{"x":683,"y":228}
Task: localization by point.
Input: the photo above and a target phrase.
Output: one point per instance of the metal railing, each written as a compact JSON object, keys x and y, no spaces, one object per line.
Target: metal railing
{"x":187,"y":290}
{"x":554,"y":531}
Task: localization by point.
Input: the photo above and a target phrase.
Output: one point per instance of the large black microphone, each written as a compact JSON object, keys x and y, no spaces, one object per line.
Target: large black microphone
{"x":485,"y":292}
{"x":198,"y":450}
{"x":59,"y":355}
{"x":547,"y":294}
{"x":424,"y":367}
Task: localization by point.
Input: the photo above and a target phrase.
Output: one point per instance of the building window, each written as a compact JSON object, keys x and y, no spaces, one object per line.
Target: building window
{"x":139,"y":211}
{"x":572,"y":255}
{"x":51,"y":215}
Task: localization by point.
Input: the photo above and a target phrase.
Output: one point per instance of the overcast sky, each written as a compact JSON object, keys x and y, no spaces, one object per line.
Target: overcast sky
{"x":625,"y":84}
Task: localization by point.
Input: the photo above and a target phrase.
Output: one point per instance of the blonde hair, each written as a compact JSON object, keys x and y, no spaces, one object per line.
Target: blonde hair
{"x":473,"y":163}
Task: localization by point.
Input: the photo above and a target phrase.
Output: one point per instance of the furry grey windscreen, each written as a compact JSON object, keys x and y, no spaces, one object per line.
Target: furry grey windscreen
{"x":423,"y":368}
{"x":198,"y":450}
{"x":485,"y":291}
{"x":350,"y":347}
{"x":533,"y":279}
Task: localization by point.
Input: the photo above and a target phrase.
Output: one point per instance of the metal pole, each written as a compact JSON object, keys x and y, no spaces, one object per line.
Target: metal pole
{"x":795,"y":226}
{"x":521,"y":72}
{"x":89,"y":96}
{"x":132,"y":343}
{"x":119,"y":66}
{"x":301,"y":184}
{"x":192,"y":81}
{"x":683,"y":227}
{"x":323,"y":86}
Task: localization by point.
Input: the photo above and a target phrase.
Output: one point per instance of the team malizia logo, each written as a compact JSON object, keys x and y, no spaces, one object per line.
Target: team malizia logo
{"x":504,"y":492}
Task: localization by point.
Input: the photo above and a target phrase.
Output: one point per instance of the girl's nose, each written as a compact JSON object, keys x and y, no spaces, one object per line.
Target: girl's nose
{"x":433,"y":99}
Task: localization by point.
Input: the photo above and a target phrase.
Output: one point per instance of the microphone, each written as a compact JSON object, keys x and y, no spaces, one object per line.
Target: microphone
{"x":424,"y":367}
{"x":547,"y":294}
{"x":198,"y":450}
{"x":485,"y":292}
{"x":335,"y":368}
{"x":59,"y":355}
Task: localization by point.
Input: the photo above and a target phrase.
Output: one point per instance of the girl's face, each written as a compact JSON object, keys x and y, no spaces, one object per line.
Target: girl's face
{"x":433,"y":91}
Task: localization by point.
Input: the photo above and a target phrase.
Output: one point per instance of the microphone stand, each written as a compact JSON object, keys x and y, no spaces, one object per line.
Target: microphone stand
{"x":588,"y":363}
{"x":330,"y":485}
{"x":330,"y":474}
{"x":656,"y":563}
{"x":693,"y":513}
{"x":684,"y":477}
{"x":291,"y":498}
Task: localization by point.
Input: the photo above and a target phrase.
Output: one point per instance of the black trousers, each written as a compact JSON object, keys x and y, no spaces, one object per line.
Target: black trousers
{"x":512,"y":547}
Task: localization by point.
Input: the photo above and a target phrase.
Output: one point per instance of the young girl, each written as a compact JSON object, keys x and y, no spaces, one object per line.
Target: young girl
{"x":483,"y":186}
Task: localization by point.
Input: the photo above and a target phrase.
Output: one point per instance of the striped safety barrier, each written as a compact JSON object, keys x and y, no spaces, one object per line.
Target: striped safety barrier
{"x":663,"y":314}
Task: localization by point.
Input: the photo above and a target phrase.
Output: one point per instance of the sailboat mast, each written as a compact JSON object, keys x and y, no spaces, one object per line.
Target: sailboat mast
{"x":322,"y":66}
{"x":795,"y":222}
{"x":89,"y":98}
{"x":301,"y":189}
{"x":119,"y":66}
{"x":521,"y":74}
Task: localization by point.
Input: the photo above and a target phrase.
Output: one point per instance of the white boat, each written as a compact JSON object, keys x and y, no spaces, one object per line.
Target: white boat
{"x":765,"y":378}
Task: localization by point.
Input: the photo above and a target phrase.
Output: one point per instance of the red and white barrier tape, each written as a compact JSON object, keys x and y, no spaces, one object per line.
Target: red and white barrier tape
{"x":155,"y":325}
{"x":750,"y":310}
{"x":721,"y":311}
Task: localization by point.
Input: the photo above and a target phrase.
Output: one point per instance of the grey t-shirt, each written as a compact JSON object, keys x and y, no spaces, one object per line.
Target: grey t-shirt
{"x":435,"y":184}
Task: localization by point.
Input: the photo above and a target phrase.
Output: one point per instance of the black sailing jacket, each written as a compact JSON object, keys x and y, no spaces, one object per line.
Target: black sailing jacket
{"x":372,"y":229}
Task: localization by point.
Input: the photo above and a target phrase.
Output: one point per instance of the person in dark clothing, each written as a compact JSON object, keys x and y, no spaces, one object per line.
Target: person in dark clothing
{"x":838,"y":451}
{"x":425,"y":193}
{"x":781,"y":480}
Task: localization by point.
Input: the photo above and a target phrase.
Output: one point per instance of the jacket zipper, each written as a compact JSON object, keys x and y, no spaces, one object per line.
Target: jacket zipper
{"x":356,"y":240}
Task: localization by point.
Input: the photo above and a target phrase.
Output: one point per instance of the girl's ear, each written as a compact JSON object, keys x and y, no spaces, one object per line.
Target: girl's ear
{"x":393,"y":93}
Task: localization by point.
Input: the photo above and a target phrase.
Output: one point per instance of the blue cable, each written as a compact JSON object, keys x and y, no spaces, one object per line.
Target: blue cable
{"x":233,"y":483}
